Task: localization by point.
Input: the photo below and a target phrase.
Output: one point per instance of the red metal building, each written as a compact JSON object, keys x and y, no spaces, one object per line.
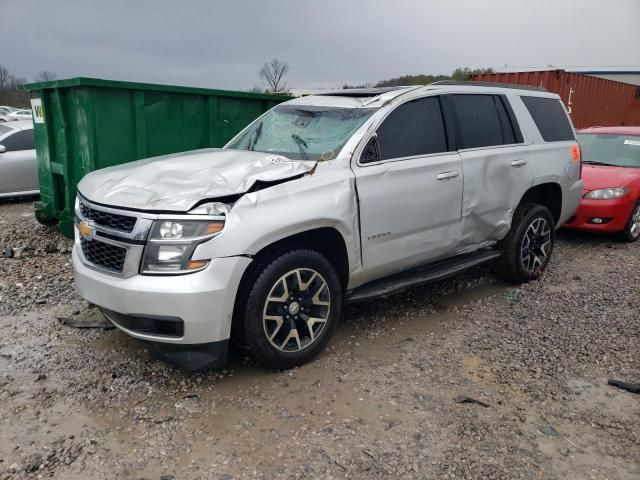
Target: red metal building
{"x":590,"y":100}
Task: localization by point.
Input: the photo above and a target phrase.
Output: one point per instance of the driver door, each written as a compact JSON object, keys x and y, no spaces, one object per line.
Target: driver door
{"x":409,"y":185}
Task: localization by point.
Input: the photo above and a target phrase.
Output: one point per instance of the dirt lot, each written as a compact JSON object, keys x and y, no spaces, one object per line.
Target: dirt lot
{"x":384,"y":401}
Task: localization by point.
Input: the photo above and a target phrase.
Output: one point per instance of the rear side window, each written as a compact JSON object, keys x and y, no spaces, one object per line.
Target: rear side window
{"x":22,"y":140}
{"x":414,"y":128}
{"x":550,"y":118}
{"x":483,"y":121}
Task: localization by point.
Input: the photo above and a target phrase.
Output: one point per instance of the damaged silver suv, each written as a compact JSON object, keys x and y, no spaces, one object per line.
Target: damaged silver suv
{"x":324,"y":200}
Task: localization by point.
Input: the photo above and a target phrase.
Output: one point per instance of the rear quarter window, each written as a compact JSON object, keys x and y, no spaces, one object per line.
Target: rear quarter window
{"x":550,"y":118}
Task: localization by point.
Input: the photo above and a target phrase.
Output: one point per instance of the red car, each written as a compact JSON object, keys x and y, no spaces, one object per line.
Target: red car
{"x":611,"y":176}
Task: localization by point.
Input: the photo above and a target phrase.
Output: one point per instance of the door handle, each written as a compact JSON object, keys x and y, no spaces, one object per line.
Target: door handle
{"x":518,"y":163}
{"x":447,"y":175}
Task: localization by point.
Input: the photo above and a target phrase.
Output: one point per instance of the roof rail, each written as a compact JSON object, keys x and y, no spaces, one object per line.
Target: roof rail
{"x":360,"y":92}
{"x":490,"y":84}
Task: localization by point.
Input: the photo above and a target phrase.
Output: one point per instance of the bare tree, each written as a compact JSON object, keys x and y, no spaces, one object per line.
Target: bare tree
{"x":45,"y":76}
{"x":273,"y":73}
{"x":5,"y":79}
{"x":9,"y":93}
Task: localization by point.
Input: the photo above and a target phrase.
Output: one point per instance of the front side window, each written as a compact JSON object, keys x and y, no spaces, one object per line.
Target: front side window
{"x":610,"y":149}
{"x":482,"y":121}
{"x":413,"y":128}
{"x":21,"y":140}
{"x":302,"y":132}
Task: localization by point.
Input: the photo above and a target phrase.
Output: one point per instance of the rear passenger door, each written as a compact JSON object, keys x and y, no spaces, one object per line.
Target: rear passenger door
{"x":409,"y":183}
{"x":495,"y":162}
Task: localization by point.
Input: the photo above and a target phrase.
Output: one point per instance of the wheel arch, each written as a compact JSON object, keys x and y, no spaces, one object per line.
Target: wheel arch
{"x":546,"y":194}
{"x":326,"y":240}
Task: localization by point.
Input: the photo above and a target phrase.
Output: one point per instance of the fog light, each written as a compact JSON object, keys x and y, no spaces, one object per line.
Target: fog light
{"x":596,"y":220}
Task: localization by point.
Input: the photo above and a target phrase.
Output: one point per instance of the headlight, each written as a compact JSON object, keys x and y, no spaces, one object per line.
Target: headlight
{"x":172,"y":243}
{"x":211,"y":208}
{"x":607,"y":193}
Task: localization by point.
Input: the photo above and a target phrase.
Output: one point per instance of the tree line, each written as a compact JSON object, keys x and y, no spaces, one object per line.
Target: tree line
{"x":459,"y":74}
{"x":9,"y":93}
{"x":273,"y":72}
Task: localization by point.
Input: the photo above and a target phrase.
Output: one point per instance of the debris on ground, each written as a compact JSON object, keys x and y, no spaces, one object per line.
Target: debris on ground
{"x":465,"y":399}
{"x":549,"y":430}
{"x":91,"y":320}
{"x":629,"y":387}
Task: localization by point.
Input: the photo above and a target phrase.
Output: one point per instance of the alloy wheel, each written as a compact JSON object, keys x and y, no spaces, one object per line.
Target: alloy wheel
{"x":634,"y":226}
{"x":536,"y":244}
{"x":296,"y":310}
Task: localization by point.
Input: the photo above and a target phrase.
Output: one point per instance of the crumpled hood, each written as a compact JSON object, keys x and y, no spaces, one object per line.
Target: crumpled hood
{"x":177,"y":182}
{"x":602,"y":176}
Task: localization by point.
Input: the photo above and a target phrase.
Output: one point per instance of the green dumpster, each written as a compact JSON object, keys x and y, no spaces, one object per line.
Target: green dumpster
{"x":83,"y":124}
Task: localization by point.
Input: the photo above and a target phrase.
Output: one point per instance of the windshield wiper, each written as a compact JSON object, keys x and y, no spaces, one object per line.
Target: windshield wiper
{"x":599,"y":163}
{"x":257,"y":134}
{"x":298,"y":139}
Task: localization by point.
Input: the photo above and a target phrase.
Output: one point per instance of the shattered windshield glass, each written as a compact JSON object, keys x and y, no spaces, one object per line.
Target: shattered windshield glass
{"x":303,"y":132}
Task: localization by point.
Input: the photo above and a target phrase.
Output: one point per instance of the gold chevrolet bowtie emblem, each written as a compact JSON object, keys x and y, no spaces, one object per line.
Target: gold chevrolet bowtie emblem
{"x":86,"y":230}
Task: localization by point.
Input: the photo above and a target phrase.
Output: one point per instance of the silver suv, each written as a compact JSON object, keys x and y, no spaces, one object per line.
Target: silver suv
{"x":324,"y":200}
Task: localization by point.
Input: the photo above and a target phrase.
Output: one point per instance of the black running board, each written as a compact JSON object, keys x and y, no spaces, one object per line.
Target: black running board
{"x":420,"y":275}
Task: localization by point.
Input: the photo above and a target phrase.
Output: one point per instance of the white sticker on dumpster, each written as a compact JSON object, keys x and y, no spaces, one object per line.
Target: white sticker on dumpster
{"x":38,"y":112}
{"x":632,"y":142}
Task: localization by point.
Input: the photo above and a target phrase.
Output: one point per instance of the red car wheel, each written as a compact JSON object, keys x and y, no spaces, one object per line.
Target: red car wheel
{"x":631,"y":232}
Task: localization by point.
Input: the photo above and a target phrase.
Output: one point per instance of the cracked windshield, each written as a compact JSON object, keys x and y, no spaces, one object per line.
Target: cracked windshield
{"x":303,"y":132}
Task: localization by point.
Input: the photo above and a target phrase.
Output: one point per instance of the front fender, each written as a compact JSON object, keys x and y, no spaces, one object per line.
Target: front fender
{"x":259,"y":219}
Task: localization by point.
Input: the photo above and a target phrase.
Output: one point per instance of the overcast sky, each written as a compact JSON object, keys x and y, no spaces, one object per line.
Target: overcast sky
{"x":327,"y":43}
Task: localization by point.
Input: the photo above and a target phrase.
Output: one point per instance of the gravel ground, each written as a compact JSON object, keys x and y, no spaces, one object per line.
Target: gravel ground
{"x":394,"y":395}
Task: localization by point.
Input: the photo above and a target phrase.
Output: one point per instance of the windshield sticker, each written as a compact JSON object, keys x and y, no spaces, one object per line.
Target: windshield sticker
{"x":632,"y":142}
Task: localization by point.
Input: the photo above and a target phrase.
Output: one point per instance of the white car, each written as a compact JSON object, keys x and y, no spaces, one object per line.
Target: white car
{"x":19,"y":115}
{"x":4,"y":111}
{"x":18,"y":163}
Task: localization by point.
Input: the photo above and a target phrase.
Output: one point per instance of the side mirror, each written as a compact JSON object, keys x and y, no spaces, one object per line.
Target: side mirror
{"x":2,"y":148}
{"x":371,"y":153}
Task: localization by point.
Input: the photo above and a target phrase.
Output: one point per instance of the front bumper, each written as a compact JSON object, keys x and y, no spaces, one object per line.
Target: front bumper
{"x":203,"y":301}
{"x":614,"y":213}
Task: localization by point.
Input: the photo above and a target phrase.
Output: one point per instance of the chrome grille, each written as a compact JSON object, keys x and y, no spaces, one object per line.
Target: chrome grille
{"x":110,"y":220}
{"x":104,"y":255}
{"x":116,"y":239}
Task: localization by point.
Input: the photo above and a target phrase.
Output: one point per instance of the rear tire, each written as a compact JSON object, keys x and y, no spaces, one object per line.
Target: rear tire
{"x":292,"y":309}
{"x":631,"y":231}
{"x":527,"y":248}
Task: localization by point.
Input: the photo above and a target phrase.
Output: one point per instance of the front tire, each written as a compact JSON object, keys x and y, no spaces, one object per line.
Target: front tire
{"x":292,"y":309}
{"x":527,"y":248}
{"x":631,"y":231}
